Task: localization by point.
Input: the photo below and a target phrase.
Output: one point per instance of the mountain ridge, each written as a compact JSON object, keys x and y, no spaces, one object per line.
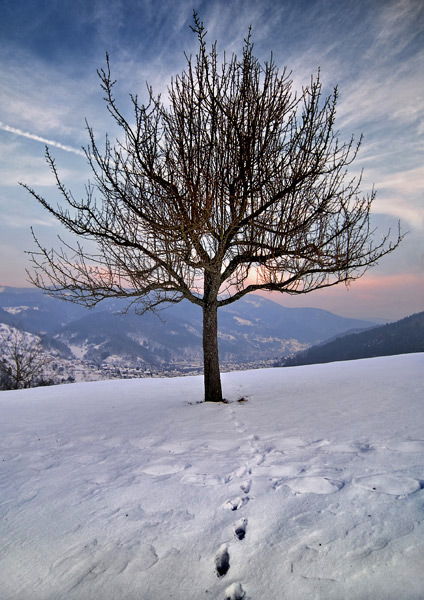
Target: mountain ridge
{"x":252,"y":329}
{"x":405,"y":336}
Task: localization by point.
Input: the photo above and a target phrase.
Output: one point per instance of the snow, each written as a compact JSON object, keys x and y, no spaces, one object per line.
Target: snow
{"x":241,"y":321}
{"x":15,"y":310}
{"x":132,"y":490}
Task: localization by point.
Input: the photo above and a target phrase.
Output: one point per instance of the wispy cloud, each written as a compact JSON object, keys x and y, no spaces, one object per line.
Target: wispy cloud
{"x":37,"y":138}
{"x":20,"y":222}
{"x":388,"y":86}
{"x":400,"y":194}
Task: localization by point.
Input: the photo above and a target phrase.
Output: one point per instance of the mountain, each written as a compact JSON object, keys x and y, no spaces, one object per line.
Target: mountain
{"x":403,"y":337}
{"x":32,"y":310}
{"x":250,"y":330}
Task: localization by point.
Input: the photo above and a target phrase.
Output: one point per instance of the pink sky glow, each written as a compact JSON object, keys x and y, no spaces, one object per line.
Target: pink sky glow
{"x":390,"y":297}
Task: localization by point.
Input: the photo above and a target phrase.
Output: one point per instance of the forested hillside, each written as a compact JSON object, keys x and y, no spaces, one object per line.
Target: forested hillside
{"x":403,"y":337}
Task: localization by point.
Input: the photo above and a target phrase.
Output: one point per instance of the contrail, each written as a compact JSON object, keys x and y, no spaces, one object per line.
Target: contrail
{"x":37,"y":138}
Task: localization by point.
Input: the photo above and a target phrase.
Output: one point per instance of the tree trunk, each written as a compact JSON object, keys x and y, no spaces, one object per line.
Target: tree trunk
{"x":212,"y":377}
{"x":213,"y":390}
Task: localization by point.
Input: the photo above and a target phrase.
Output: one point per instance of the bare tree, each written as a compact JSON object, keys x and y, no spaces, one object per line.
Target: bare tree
{"x":235,"y":185}
{"x":22,"y":361}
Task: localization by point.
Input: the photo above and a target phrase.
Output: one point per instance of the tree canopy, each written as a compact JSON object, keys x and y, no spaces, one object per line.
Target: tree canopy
{"x":236,"y":184}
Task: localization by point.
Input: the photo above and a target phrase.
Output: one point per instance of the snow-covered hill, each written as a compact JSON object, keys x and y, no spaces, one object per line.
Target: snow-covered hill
{"x":313,"y":488}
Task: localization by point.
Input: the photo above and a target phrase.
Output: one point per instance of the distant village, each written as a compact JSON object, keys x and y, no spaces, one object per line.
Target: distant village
{"x":71,"y":371}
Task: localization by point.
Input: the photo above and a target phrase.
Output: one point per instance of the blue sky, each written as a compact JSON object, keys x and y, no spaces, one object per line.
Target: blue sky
{"x":372,"y":49}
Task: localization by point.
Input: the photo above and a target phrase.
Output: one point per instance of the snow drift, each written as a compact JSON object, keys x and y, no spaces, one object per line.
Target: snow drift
{"x":131,"y":490}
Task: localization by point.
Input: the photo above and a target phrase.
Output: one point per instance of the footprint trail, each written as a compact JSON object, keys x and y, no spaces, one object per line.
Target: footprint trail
{"x":222,"y":561}
{"x":240,"y":529}
{"x":235,"y":592}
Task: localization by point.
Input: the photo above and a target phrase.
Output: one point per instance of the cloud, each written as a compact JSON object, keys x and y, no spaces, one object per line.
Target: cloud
{"x":387,"y":84}
{"x":47,"y":99}
{"x":409,"y":182}
{"x":395,"y":23}
{"x":399,"y":194}
{"x":22,"y":222}
{"x":23,"y":160}
{"x":395,"y":96}
{"x":37,"y":138}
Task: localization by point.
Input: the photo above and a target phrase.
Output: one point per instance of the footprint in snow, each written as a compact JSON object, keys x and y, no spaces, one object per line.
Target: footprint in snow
{"x":236,"y":503}
{"x":239,"y":529}
{"x":245,"y":486}
{"x":388,"y":484}
{"x":259,"y":458}
{"x":222,"y":561}
{"x":242,"y":471}
{"x":239,"y":427}
{"x":235,"y":591}
{"x":239,"y":473}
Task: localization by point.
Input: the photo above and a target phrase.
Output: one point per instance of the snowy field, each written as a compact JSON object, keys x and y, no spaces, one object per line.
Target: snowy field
{"x":131,"y":490}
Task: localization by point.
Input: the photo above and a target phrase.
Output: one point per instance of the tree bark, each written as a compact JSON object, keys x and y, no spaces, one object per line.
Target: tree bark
{"x":212,"y":376}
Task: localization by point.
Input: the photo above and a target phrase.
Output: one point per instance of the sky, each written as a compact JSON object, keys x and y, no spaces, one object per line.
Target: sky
{"x":373,"y":50}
